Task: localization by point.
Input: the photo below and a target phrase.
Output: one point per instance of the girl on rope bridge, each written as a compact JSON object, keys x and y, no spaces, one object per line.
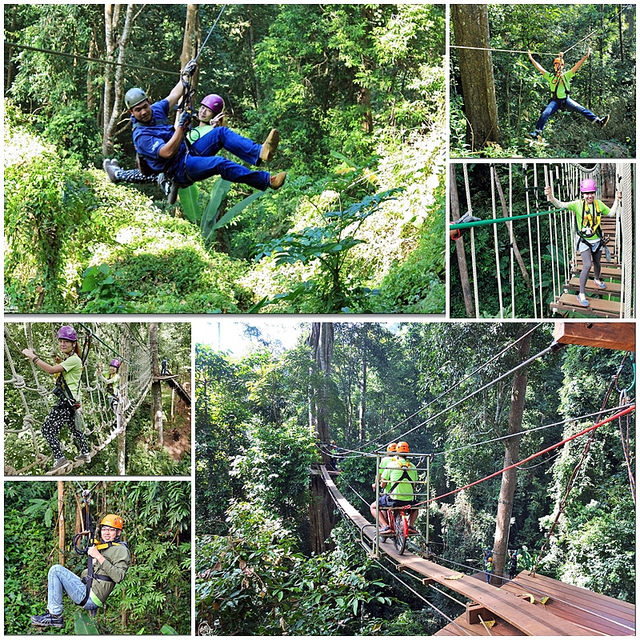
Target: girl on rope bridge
{"x":559,"y":84}
{"x":68,"y":372}
{"x":112,"y":383}
{"x":590,"y":240}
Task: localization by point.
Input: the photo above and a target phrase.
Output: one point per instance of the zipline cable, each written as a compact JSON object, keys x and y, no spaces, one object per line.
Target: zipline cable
{"x":452,"y":387}
{"x":204,"y":44}
{"x":137,"y":67}
{"x":554,"y":346}
{"x":531,"y":457}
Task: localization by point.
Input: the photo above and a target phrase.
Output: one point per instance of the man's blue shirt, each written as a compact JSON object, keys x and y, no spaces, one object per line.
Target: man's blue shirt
{"x":149,"y":139}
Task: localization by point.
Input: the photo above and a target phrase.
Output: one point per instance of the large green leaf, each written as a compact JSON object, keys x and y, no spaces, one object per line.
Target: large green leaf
{"x":189,"y":202}
{"x":218,"y":193}
{"x":84,"y":625}
{"x":235,"y":211}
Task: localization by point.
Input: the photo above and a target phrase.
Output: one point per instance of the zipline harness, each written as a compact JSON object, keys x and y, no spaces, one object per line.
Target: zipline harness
{"x":83,"y":549}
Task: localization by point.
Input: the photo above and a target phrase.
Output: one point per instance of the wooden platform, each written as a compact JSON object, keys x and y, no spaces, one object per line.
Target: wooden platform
{"x":613,"y":288}
{"x":598,"y":307}
{"x":606,"y":335}
{"x":524,"y":617}
{"x":592,"y":611}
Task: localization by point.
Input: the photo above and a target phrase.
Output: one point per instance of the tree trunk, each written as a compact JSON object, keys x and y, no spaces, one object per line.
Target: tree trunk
{"x":514,"y":244}
{"x":61,"y":523}
{"x":471,"y":26}
{"x":321,"y":515}
{"x":511,"y":454}
{"x":114,"y":74}
{"x":363,"y":388}
{"x":156,"y":385}
{"x":460,"y":253}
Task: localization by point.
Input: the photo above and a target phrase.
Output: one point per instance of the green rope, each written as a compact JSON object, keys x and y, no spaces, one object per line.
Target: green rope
{"x":482,"y":223}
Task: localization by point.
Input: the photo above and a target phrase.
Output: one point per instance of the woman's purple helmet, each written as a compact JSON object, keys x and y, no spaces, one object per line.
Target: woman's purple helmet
{"x":588,"y":186}
{"x":67,"y":332}
{"x":115,"y":363}
{"x":213,"y":102}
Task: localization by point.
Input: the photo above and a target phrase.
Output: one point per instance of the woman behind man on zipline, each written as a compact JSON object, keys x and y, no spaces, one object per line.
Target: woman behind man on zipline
{"x":560,"y":86}
{"x":590,"y":238}
{"x":68,"y":372}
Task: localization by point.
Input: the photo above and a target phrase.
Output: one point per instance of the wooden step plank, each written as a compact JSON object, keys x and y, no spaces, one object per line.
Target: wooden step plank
{"x":613,"y":288}
{"x":500,"y":628}
{"x":606,"y":271}
{"x":597,"y":307}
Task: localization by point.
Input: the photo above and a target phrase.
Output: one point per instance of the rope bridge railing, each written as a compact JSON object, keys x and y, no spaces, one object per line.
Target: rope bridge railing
{"x":541,"y":258}
{"x":28,"y":393}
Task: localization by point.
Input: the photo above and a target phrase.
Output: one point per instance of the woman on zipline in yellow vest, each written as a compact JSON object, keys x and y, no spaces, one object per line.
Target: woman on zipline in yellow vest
{"x":590,"y":240}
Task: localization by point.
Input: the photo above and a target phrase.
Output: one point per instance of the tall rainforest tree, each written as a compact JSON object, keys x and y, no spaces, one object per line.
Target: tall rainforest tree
{"x":471,"y":28}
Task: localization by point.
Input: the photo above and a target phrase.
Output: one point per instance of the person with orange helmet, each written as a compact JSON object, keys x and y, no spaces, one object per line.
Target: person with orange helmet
{"x":391,"y":449}
{"x":398,"y":480}
{"x":110,"y":560}
{"x":559,"y":84}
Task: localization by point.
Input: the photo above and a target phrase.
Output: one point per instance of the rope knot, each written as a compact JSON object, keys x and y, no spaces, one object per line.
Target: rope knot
{"x":18,"y":381}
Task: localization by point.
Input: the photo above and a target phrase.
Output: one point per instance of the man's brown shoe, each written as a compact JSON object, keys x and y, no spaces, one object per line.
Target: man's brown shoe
{"x":269,"y":146}
{"x":278,"y":180}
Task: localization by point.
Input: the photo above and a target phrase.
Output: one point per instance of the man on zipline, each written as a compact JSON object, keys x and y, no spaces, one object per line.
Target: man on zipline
{"x":110,"y":559}
{"x":590,"y":240}
{"x":560,"y":86}
{"x":162,"y":147}
{"x":211,"y":114}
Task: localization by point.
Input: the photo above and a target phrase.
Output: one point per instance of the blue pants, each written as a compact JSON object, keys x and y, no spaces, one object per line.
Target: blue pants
{"x":62,"y":580}
{"x":201,"y":161}
{"x":563,"y":103}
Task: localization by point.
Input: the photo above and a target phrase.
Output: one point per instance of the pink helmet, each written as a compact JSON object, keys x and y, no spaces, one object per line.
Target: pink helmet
{"x":213,"y":102}
{"x":67,"y":332}
{"x":114,"y":363}
{"x":588,"y":186}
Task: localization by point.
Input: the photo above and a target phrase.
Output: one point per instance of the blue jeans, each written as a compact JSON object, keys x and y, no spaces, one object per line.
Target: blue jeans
{"x":563,"y":103}
{"x":201,"y":161}
{"x":62,"y":580}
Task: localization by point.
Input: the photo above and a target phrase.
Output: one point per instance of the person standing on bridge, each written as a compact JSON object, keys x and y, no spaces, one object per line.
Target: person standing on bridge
{"x":590,"y":239}
{"x":112,"y":383}
{"x":398,"y":481}
{"x":68,"y":373}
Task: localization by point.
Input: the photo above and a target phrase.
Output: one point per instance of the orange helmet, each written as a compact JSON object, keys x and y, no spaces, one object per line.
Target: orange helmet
{"x":558,"y":61}
{"x":391,"y":447}
{"x":402,"y":447}
{"x":112,"y":520}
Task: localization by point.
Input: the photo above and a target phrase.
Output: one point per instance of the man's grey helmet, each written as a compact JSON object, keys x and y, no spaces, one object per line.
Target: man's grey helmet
{"x":134,"y":96}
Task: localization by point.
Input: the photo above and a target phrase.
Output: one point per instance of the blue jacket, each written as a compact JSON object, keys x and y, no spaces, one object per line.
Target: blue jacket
{"x":149,"y":138}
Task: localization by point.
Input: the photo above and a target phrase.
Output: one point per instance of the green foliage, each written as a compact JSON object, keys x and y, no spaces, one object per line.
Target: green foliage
{"x":329,"y":246}
{"x":254,"y":582}
{"x":83,"y":625}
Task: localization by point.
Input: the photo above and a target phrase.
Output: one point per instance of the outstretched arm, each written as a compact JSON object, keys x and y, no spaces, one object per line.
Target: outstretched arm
{"x":551,"y":198}
{"x":175,"y":95}
{"x":46,"y":367}
{"x":536,"y":64}
{"x":582,"y":60}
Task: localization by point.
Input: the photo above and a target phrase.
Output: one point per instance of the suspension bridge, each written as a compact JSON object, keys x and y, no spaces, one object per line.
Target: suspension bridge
{"x":565,"y":611}
{"x":544,"y":254}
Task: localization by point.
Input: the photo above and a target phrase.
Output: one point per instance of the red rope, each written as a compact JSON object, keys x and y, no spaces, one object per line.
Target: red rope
{"x":535,"y":455}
